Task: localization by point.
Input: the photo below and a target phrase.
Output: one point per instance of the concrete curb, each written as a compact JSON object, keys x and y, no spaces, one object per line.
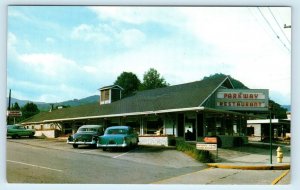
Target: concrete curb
{"x":250,"y":167}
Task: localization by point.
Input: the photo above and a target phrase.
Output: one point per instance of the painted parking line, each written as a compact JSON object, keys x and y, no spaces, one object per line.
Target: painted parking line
{"x":275,"y":181}
{"x":87,"y":151}
{"x":123,"y":153}
{"x":32,"y":165}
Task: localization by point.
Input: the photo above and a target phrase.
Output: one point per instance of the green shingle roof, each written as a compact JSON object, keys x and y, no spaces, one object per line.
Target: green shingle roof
{"x":186,"y":95}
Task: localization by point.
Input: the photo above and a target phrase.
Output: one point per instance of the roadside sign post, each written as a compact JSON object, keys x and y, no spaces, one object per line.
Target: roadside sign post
{"x":210,"y":143}
{"x":14,"y":114}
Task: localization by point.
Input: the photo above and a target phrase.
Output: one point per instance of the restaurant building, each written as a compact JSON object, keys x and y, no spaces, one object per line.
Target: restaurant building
{"x":210,"y":107}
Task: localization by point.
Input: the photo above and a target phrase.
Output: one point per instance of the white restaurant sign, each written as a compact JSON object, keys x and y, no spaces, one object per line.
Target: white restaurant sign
{"x":243,"y":99}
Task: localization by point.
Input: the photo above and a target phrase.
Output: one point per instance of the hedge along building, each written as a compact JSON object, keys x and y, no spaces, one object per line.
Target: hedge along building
{"x":192,"y":111}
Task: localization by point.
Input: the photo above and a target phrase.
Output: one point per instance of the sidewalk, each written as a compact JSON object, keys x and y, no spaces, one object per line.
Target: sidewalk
{"x":238,"y":166}
{"x":252,"y":157}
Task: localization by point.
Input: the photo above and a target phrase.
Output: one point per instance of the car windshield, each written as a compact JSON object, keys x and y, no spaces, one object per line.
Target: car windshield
{"x":116,"y":131}
{"x":87,"y":129}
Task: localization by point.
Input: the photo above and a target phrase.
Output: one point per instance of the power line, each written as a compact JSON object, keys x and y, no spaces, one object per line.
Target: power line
{"x":278,"y":25}
{"x":273,"y":29}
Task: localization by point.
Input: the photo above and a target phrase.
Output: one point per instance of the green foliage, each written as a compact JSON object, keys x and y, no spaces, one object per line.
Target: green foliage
{"x":129,"y":82}
{"x":277,"y":111}
{"x":189,"y":149}
{"x":235,"y":83}
{"x":16,"y":106}
{"x":152,"y":80}
{"x":29,"y":110}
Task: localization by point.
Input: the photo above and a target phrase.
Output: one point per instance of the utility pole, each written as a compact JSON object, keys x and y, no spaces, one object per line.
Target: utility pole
{"x":8,"y":108}
{"x":271,"y":131}
{"x":9,"y":99}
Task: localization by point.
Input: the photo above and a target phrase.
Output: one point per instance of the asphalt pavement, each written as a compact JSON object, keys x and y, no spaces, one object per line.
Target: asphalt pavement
{"x":255,"y":156}
{"x":246,"y":160}
{"x":158,"y":165}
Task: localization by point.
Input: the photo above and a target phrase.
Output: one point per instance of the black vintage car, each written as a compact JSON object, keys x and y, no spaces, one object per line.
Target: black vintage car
{"x":86,"y":135}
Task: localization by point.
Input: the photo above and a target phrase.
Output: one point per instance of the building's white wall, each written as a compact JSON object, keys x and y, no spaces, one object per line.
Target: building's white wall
{"x":156,"y":140}
{"x":46,"y":133}
{"x":257,"y":130}
{"x":49,"y":130}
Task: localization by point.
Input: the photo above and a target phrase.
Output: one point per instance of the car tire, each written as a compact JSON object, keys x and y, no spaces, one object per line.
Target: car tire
{"x":15,"y":136}
{"x":104,"y":149}
{"x":75,"y":145}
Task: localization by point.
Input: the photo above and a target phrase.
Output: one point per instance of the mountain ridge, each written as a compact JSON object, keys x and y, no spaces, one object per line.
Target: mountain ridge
{"x":44,"y":106}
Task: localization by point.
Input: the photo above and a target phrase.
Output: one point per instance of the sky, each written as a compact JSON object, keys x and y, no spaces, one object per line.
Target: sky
{"x":58,"y":53}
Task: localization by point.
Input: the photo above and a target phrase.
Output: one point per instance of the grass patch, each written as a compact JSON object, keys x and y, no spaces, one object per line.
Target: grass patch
{"x":189,"y":149}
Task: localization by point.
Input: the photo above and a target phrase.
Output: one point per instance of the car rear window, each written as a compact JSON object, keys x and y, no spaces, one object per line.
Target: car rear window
{"x":116,"y":131}
{"x":87,"y":129}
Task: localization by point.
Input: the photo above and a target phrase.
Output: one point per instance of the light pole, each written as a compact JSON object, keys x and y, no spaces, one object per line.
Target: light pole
{"x":271,"y":131}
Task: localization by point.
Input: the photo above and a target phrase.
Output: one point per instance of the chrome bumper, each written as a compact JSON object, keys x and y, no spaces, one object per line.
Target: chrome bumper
{"x":81,"y":142}
{"x":112,"y":145}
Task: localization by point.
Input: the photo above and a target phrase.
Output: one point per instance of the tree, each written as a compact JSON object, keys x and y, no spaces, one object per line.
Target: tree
{"x":29,"y":110}
{"x":16,"y":106}
{"x":277,"y":111}
{"x":152,"y":80}
{"x":129,"y":82}
{"x":235,"y":83}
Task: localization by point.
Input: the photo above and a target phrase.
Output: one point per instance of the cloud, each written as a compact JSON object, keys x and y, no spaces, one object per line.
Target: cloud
{"x":177,"y":60}
{"x":90,"y":33}
{"x":12,"y":40}
{"x":47,"y":64}
{"x":183,"y":43}
{"x":12,"y":13}
{"x":105,"y":34}
{"x":131,"y":37}
{"x":139,"y":15}
{"x":32,"y":90}
{"x":50,"y":40}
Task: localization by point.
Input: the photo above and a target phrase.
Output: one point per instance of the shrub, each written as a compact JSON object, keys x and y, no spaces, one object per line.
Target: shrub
{"x":189,"y":149}
{"x":238,"y":141}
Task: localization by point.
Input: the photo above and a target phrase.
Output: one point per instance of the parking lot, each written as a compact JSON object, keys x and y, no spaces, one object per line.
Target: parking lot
{"x":160,"y":156}
{"x":55,"y":161}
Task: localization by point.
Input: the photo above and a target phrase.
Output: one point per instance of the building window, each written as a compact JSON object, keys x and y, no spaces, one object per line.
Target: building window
{"x":104,"y":95}
{"x":154,"y":126}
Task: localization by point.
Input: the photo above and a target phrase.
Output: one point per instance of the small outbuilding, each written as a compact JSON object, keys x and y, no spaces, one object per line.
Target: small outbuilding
{"x":259,"y":130}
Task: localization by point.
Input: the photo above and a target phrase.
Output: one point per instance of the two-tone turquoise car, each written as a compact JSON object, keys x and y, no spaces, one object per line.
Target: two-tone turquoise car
{"x":118,"y":137}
